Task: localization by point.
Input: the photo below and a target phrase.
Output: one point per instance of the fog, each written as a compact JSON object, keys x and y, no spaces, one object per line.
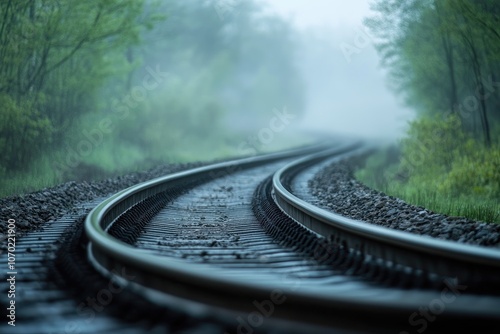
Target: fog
{"x":347,"y":91}
{"x":182,"y":80}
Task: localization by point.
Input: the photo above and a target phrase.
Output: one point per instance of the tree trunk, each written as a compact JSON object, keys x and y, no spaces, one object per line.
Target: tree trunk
{"x":448,"y":51}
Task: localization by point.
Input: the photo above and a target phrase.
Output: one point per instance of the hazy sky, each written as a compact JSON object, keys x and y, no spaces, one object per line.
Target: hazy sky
{"x":306,"y":13}
{"x":345,"y":87}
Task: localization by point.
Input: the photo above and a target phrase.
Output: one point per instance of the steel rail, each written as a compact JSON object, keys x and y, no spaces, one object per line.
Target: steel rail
{"x":470,"y":264}
{"x":197,"y":286}
{"x":151,"y":273}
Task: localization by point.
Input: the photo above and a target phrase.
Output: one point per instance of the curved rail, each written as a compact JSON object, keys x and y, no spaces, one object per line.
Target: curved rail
{"x":140,"y":269}
{"x":171,"y":281}
{"x":470,"y":265}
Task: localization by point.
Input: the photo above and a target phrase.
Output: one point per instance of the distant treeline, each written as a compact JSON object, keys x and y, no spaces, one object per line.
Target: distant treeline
{"x":115,"y":83}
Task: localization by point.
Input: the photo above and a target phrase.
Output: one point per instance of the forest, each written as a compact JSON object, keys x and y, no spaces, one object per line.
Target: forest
{"x":443,"y":57}
{"x":91,"y":88}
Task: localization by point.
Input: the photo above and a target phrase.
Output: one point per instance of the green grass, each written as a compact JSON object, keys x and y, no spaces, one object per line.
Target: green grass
{"x":424,"y":186}
{"x":474,"y":208}
{"x":39,"y":176}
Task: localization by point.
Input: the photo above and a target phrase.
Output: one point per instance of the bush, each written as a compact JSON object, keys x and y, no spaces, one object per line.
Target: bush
{"x":439,"y":155}
{"x":431,"y":146}
{"x":474,"y":174}
{"x":442,"y":168}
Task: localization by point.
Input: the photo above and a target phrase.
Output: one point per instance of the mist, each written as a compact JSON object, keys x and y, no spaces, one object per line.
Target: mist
{"x":165,"y":82}
{"x":347,"y":91}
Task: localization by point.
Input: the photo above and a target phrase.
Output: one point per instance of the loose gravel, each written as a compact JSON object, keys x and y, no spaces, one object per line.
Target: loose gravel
{"x":31,"y":211}
{"x":337,"y":190}
{"x":334,"y":186}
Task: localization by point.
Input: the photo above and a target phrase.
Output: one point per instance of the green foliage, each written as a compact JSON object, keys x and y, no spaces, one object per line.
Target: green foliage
{"x":54,"y":57}
{"x":442,"y":168}
{"x":35,"y":176}
{"x":431,"y":146}
{"x":67,"y":68}
{"x":214,"y":70}
{"x":444,"y":57}
{"x":438,"y":154}
{"x":24,"y":132}
{"x":475,"y":174}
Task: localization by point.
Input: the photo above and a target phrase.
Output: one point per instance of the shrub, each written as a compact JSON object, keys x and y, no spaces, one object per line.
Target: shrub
{"x":442,"y":168}
{"x":474,"y":174}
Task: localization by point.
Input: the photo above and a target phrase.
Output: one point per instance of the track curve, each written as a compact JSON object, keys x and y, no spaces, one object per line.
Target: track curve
{"x":226,"y":263}
{"x":474,"y":266}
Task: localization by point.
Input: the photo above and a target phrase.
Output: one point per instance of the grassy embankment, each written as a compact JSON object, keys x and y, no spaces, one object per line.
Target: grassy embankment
{"x":439,"y":169}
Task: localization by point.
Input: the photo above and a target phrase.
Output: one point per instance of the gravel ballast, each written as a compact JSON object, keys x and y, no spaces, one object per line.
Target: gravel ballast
{"x":334,"y":186}
{"x":31,"y":211}
{"x":337,"y":190}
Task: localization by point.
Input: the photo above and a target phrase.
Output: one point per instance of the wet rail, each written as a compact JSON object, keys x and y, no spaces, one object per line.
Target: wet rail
{"x":419,"y":257}
{"x":209,"y":250}
{"x":207,"y":241}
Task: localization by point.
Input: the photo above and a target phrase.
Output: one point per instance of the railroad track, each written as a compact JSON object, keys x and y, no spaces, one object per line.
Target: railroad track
{"x":428,"y":260}
{"x":238,"y":248}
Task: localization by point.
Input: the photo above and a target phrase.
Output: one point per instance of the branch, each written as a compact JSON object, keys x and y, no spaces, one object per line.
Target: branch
{"x":478,"y":19}
{"x":68,"y":56}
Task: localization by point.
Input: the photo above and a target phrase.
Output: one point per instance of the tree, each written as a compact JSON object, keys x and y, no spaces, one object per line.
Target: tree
{"x":433,"y":48}
{"x":52,"y":58}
